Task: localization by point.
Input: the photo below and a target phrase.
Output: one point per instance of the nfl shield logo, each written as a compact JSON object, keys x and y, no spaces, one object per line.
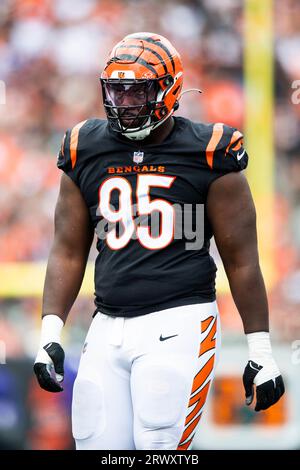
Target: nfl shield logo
{"x":138,"y":157}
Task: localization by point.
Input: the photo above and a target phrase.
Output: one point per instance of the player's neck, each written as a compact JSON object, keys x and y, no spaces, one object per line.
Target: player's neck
{"x":158,"y":135}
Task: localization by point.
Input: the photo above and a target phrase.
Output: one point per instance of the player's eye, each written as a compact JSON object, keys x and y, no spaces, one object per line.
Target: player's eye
{"x":119,"y":91}
{"x":140,"y":93}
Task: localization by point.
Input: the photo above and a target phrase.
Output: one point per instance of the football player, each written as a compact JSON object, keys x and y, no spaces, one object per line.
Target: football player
{"x":150,"y":354}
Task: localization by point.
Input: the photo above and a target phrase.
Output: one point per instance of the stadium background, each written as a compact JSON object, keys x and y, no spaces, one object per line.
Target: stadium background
{"x":245,"y":56}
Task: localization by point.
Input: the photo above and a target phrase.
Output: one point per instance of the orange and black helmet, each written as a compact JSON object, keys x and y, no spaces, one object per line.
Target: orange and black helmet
{"x":141,"y":84}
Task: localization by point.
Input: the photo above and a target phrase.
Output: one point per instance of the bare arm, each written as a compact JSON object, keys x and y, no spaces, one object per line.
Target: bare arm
{"x":69,"y":252}
{"x":232,"y":214}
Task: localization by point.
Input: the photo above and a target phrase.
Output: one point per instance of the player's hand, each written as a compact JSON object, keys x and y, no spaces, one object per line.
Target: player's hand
{"x":263,"y":372}
{"x":50,"y":357}
{"x":268,"y":381}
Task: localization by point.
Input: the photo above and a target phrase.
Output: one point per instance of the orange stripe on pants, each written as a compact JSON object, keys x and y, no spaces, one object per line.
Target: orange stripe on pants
{"x":210,"y":341}
{"x":198,"y":399}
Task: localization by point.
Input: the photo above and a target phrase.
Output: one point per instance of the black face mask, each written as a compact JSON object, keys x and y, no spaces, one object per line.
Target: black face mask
{"x":129,"y":104}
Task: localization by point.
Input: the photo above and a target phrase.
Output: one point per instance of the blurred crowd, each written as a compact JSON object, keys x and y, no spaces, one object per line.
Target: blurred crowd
{"x":51,"y":55}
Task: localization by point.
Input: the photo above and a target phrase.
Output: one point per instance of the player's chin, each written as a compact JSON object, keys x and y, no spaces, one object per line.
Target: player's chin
{"x":129,"y":123}
{"x":132,"y":122}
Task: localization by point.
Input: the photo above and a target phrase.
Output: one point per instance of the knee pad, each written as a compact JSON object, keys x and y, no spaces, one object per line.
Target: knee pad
{"x":161,"y":397}
{"x":157,"y":439}
{"x":88,"y":413}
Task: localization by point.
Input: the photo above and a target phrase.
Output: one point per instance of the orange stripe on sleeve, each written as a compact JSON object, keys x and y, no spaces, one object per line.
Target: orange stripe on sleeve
{"x":74,"y":142}
{"x":62,"y":149}
{"x":217,"y":133}
{"x":235,"y":136}
{"x":238,"y":145}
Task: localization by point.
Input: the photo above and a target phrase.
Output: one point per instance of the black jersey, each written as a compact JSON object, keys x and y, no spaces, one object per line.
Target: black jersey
{"x":124,"y":183}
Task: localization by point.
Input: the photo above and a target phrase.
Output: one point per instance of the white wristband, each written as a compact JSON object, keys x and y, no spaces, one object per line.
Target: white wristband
{"x":260,"y":352}
{"x":51,"y":330}
{"x":259,"y":345}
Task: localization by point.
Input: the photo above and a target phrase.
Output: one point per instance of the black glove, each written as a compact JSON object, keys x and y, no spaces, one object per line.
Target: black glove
{"x":50,"y":356}
{"x":268,"y":390}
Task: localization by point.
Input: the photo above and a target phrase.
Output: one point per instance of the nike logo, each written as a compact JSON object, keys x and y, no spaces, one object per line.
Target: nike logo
{"x":161,"y":338}
{"x":48,"y":346}
{"x":252,"y":367}
{"x":240,"y":156}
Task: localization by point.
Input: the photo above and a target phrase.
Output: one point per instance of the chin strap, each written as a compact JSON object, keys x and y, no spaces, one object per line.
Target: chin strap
{"x":138,"y":135}
{"x":142,"y":134}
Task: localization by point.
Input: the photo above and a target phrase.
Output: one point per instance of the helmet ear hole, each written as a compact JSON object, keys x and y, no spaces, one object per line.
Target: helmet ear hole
{"x":162,"y":112}
{"x":176,"y":106}
{"x":168,"y":81}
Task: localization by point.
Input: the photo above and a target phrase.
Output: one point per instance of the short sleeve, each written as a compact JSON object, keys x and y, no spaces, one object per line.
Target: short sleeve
{"x":224,"y":153}
{"x":229,"y":154}
{"x":68,"y":158}
{"x":63,"y":156}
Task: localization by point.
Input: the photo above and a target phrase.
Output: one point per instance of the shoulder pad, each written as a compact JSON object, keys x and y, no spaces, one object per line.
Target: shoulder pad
{"x":224,"y":151}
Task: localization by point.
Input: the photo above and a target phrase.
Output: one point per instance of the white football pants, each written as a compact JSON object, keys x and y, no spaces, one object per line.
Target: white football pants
{"x":142,"y":382}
